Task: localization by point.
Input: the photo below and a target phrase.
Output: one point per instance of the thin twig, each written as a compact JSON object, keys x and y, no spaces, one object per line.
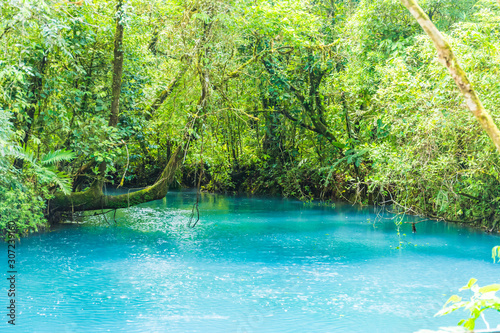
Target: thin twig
{"x":126,"y":167}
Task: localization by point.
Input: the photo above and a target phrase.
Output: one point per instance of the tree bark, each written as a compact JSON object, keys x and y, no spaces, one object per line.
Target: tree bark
{"x":447,"y":58}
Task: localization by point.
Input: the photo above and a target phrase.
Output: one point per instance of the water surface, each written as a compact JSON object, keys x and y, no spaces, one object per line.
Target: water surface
{"x":250,"y":265}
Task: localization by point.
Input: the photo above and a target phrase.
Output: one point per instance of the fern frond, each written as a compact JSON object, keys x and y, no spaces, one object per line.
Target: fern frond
{"x":64,"y":182}
{"x":50,"y":175}
{"x":53,"y":157}
{"x":24,"y":154}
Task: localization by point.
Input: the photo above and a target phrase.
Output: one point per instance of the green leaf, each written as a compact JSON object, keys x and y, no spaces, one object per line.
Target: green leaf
{"x":495,"y":253}
{"x":338,"y":145}
{"x":454,"y":299}
{"x":489,"y":288}
{"x":470,"y":323}
{"x":469,"y":285}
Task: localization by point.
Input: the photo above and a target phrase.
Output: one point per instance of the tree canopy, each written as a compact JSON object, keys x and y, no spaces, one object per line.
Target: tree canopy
{"x":314,"y":99}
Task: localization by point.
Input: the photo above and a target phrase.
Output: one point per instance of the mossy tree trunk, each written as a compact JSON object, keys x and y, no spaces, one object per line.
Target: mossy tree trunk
{"x":94,"y":198}
{"x":117,"y":66}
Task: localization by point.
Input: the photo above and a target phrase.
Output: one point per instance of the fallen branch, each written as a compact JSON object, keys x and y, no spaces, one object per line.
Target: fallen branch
{"x":94,"y":199}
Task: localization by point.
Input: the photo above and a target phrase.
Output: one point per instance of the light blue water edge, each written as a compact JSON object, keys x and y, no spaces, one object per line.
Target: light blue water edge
{"x":252,"y":264}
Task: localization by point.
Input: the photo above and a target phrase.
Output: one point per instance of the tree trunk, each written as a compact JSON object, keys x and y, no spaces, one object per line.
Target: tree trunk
{"x":117,"y":66}
{"x":34,"y":99}
{"x":447,"y":58}
{"x":94,"y":198}
{"x":116,"y":87}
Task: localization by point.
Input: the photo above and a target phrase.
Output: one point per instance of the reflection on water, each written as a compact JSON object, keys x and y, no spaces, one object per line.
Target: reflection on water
{"x":250,"y":265}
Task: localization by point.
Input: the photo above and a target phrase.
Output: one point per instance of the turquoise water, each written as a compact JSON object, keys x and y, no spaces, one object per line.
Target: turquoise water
{"x":250,"y":265}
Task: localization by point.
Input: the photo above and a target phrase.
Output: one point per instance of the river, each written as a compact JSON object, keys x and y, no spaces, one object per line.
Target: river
{"x":251,"y":264}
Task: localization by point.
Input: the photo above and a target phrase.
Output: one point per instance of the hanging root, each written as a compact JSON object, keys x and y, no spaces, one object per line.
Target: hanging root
{"x":198,"y":191}
{"x":195,"y":207}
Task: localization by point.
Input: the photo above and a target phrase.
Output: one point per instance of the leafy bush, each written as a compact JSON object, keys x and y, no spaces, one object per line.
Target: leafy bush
{"x":22,"y":206}
{"x":483,"y":298}
{"x":23,"y":194}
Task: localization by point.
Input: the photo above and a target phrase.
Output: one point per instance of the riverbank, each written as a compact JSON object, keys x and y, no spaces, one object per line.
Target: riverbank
{"x":308,"y":184}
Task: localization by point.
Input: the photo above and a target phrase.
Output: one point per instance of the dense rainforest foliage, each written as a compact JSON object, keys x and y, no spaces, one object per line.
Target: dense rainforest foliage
{"x":325,"y":99}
